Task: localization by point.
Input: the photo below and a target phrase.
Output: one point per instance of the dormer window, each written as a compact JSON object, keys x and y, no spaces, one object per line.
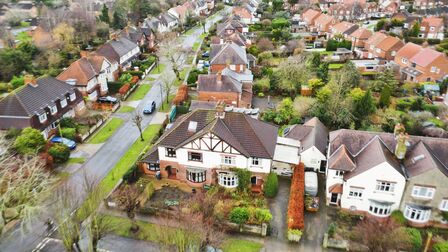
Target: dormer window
{"x":63,"y":103}
{"x":404,"y":60}
{"x":43,"y":117}
{"x":73,"y":97}
{"x":53,"y":109}
{"x":433,"y":69}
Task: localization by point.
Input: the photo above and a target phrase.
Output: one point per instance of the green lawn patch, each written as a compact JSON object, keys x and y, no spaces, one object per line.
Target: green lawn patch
{"x":335,"y":66}
{"x":203,"y":35}
{"x":191,"y":31}
{"x":78,"y":160}
{"x":126,"y":109}
{"x":107,"y":131}
{"x":196,"y":46}
{"x":158,"y":69}
{"x":150,"y":79}
{"x":238,"y":245}
{"x":147,"y":231}
{"x":167,"y":105}
{"x":140,"y":93}
{"x":184,"y":72}
{"x":369,"y":73}
{"x":327,"y":53}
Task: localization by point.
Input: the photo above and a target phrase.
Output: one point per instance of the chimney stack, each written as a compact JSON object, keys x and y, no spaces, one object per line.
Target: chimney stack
{"x":84,"y":53}
{"x":401,"y":146}
{"x":219,"y":76}
{"x":30,"y":80}
{"x":220,"y":112}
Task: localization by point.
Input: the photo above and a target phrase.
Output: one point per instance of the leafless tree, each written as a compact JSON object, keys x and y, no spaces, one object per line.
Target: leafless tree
{"x":127,"y":199}
{"x":167,"y":84}
{"x":137,"y":120}
{"x":174,"y":52}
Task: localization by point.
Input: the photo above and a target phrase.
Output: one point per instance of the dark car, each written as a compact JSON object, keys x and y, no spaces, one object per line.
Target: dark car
{"x":67,"y":142}
{"x":107,"y":99}
{"x":149,"y":107}
{"x":206,"y":55}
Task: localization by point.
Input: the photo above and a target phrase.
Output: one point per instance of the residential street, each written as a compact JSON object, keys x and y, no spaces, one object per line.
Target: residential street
{"x":98,"y":165}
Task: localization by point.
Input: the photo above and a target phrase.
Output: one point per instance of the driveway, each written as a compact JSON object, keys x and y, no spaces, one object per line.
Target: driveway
{"x":96,"y":168}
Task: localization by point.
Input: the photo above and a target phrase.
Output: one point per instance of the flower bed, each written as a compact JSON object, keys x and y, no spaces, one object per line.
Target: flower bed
{"x":296,"y":203}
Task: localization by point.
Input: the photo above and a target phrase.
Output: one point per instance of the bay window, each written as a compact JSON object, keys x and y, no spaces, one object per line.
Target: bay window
{"x":228,"y":179}
{"x":196,"y":176}
{"x":423,"y":192}
{"x":417,"y":213}
{"x":379,"y":208}
{"x":384,"y":186}
{"x":195,"y":156}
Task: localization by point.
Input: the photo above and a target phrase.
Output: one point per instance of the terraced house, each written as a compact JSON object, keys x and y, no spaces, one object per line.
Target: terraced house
{"x":376,"y":173}
{"x":203,"y":146}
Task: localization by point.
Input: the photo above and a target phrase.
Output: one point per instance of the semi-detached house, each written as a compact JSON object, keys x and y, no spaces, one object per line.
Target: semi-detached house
{"x":204,"y":146}
{"x":376,"y":173}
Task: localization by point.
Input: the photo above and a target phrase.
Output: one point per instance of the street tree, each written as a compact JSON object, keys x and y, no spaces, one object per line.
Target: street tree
{"x":174,"y":52}
{"x":167,"y":85}
{"x":137,"y":120}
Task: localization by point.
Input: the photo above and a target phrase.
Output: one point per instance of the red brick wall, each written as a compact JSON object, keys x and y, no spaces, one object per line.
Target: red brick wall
{"x":227,"y":97}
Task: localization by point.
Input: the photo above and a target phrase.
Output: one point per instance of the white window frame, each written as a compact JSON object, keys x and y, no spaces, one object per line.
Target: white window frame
{"x":228,"y":160}
{"x":53,"y":109}
{"x":384,"y":186}
{"x":356,"y":192}
{"x":192,"y":153}
{"x":228,"y":179}
{"x":433,"y":69}
{"x":153,"y":167}
{"x":72,"y":97}
{"x":196,"y":176}
{"x":444,"y":205}
{"x":256,"y":161}
{"x":379,"y":210}
{"x":416,"y":215}
{"x":168,"y":154}
{"x":43,"y":117}
{"x":63,"y":102}
{"x":404,"y":60}
{"x":423,"y":192}
{"x":339,"y":173}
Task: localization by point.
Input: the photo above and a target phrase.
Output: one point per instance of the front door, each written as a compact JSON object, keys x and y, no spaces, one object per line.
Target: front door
{"x":334,"y":198}
{"x":253,"y":180}
{"x":323,"y":166}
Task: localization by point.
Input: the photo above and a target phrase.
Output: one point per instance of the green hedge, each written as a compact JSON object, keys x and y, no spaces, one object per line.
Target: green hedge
{"x":59,"y":152}
{"x":114,"y":86}
{"x":134,"y":73}
{"x":440,"y":247}
{"x":239,"y":215}
{"x":415,"y":238}
{"x":69,"y":133}
{"x":271,"y":185}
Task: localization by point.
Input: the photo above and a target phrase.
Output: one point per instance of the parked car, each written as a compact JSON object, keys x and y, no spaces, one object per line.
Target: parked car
{"x":67,"y":142}
{"x":206,"y":54}
{"x":107,"y":99}
{"x":200,"y":65}
{"x":206,"y":64}
{"x":311,"y":186}
{"x":149,"y":108}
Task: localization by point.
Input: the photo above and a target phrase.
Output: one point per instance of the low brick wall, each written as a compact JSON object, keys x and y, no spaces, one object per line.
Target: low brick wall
{"x":249,"y":229}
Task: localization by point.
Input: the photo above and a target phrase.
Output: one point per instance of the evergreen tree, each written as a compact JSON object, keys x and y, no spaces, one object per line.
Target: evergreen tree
{"x":385,"y":97}
{"x":363,"y":107}
{"x":118,"y":21}
{"x":105,"y":14}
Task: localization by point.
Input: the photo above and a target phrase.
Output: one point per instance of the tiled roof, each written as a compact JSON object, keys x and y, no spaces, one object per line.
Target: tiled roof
{"x":228,"y":53}
{"x":83,"y":70}
{"x":324,"y":19}
{"x":383,"y":149}
{"x":116,"y":48}
{"x":361,"y":33}
{"x":312,"y":133}
{"x":251,"y":137}
{"x":29,"y":100}
{"x":426,"y":56}
{"x":433,"y":21}
{"x":341,"y":160}
{"x":343,"y":27}
{"x":376,"y":38}
{"x":409,"y":50}
{"x":211,"y":83}
{"x":388,"y":43}
{"x":310,"y":14}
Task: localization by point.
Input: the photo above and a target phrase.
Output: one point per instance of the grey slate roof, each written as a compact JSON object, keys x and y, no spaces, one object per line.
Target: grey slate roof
{"x":312,"y":133}
{"x":228,"y":53}
{"x":249,"y":136}
{"x":116,"y":48}
{"x":210,"y":83}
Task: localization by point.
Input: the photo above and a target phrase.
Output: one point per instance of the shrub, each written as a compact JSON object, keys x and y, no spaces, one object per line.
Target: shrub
{"x":68,"y":122}
{"x":239,"y":215}
{"x":125,"y":78}
{"x":69,"y":133}
{"x":243,"y":179}
{"x":12,"y":133}
{"x":404,"y":104}
{"x":138,"y":74}
{"x":261,"y":85}
{"x":440,"y":247}
{"x":17,"y":81}
{"x":434,"y":109}
{"x":132,"y":174}
{"x":279,"y":23}
{"x":124,"y":89}
{"x":415,"y":238}
{"x":296,"y":198}
{"x":59,"y":152}
{"x":331,"y":230}
{"x":294,"y":235}
{"x":114,"y":86}
{"x":262,"y":215}
{"x":30,"y":141}
{"x":271,"y":185}
{"x":433,"y":41}
{"x":398,"y":217}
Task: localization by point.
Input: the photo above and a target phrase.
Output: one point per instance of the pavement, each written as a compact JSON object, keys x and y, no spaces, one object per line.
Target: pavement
{"x":96,"y":167}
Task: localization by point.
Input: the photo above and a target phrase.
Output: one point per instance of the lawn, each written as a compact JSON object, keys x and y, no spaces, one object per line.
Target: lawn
{"x":126,"y":109}
{"x":129,"y":158}
{"x":203,"y":35}
{"x":167,"y":105}
{"x":191,"y":31}
{"x":184,"y":72}
{"x":335,"y":66}
{"x":140,"y":93}
{"x":158,"y":69}
{"x":238,"y":245}
{"x":326,"y":53}
{"x":107,"y":131}
{"x":196,"y":46}
{"x":78,"y":160}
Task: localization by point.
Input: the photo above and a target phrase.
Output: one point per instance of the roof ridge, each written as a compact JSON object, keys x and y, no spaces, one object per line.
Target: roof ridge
{"x":202,"y":131}
{"x":20,"y":101}
{"x":173,"y":128}
{"x":246,"y":117}
{"x":432,"y":155}
{"x":220,"y":51}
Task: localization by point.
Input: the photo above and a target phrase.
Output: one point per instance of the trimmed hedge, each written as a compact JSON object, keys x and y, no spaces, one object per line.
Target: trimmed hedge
{"x":69,"y":133}
{"x":124,"y":89}
{"x":271,"y":185}
{"x":296,"y":199}
{"x":239,"y":215}
{"x":114,"y":86}
{"x":440,"y":247}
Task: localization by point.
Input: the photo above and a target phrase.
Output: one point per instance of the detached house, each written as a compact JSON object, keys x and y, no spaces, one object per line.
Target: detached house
{"x":231,"y":26}
{"x":432,"y":28}
{"x":120,"y":52}
{"x":143,"y":37}
{"x":40,"y":104}
{"x":418,"y":64}
{"x":90,"y":75}
{"x":204,"y":146}
{"x":313,"y":140}
{"x":229,"y":55}
{"x":244,"y":15}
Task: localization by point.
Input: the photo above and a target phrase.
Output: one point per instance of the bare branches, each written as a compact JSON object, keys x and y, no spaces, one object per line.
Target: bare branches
{"x":137,"y":120}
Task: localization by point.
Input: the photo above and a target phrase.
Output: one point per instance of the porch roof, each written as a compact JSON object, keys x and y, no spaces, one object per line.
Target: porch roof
{"x":411,"y":71}
{"x":336,"y":188}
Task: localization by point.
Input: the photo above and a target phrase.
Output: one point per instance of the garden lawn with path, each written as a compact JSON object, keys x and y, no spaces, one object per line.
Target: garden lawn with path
{"x":140,"y":93}
{"x":107,"y":131}
{"x":238,"y":245}
{"x":158,"y":69}
{"x":126,"y":109}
